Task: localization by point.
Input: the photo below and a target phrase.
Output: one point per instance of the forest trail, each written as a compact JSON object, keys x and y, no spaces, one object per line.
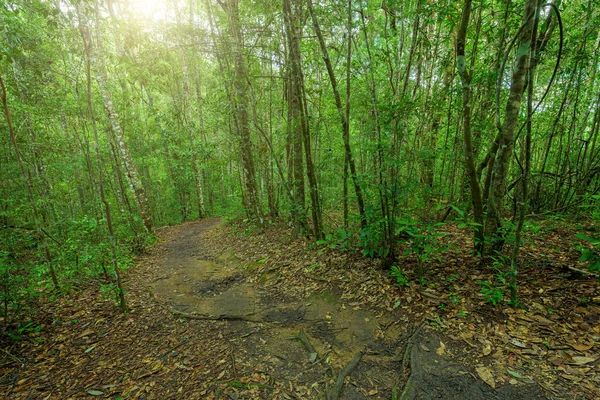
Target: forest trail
{"x":301,"y":344}
{"x":199,"y":285}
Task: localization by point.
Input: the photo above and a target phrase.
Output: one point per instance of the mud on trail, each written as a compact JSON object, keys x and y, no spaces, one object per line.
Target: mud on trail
{"x":220,"y":316}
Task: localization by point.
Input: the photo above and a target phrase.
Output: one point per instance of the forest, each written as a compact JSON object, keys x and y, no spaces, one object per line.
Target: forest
{"x":373,"y":128}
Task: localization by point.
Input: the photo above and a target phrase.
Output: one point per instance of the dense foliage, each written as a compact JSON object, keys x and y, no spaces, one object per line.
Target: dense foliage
{"x":361,"y":123}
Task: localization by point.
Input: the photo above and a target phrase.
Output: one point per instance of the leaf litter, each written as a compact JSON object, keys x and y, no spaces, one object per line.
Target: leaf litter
{"x":87,"y":348}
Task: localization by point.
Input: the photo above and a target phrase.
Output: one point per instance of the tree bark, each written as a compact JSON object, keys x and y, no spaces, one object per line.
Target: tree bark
{"x":299,"y":112}
{"x":107,"y":212}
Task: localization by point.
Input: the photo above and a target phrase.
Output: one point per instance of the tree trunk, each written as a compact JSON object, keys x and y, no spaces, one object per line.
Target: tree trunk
{"x":495,"y":204}
{"x":107,"y":212}
{"x":239,"y":97}
{"x":344,"y":121}
{"x":133,"y":178}
{"x":36,"y":214}
{"x":465,"y":77}
{"x":299,"y":112}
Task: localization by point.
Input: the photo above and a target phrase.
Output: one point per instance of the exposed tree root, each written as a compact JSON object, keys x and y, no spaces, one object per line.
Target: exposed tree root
{"x":581,"y":271}
{"x":336,"y":390}
{"x":220,"y":317}
{"x":409,"y":390}
{"x":304,"y":339}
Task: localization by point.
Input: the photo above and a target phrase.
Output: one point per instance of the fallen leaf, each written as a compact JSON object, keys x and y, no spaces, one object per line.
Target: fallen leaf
{"x":582,"y":347}
{"x":87,"y":332}
{"x":515,"y":374}
{"x":486,"y":375}
{"x":582,"y":360}
{"x":571,"y":377}
{"x":156,"y":366}
{"x":487,"y":348}
{"x":95,"y":392}
{"x":441,"y":350}
{"x":543,"y":320}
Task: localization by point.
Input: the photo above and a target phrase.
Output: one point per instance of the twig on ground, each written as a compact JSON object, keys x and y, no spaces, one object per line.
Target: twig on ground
{"x":12,"y":356}
{"x":245,"y":335}
{"x":235,"y":375}
{"x":174,"y":348}
{"x":581,"y":271}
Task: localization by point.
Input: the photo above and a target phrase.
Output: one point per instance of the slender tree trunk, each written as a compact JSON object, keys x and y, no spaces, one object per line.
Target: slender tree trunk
{"x":133,"y":178}
{"x":465,"y":77}
{"x":495,"y":205}
{"x":345,"y":122}
{"x":296,"y":165}
{"x":107,"y":212}
{"x":36,"y":213}
{"x":526,"y":160}
{"x":199,"y":173}
{"x":348,"y":107}
{"x":299,"y":111}
{"x":413,"y":46}
{"x":387,"y":218}
{"x":239,"y":99}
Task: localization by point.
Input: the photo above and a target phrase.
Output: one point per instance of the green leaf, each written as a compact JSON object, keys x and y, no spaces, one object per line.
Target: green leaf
{"x":587,"y":255}
{"x":587,"y":238}
{"x":515,"y":374}
{"x":595,"y":266}
{"x":90,"y":349}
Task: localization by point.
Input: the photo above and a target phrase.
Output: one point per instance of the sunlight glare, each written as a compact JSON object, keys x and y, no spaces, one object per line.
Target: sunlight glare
{"x":148,"y":9}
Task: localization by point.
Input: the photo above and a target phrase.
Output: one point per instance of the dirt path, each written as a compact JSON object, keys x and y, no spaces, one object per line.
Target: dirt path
{"x":211,"y":283}
{"x":202,"y":285}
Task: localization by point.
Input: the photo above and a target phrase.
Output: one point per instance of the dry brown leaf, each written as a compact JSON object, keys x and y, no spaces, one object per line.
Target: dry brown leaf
{"x":87,"y":332}
{"x":486,"y":375}
{"x":487,"y":347}
{"x":518,"y":343}
{"x":543,"y":320}
{"x":571,"y":377}
{"x":582,"y":360}
{"x":441,"y":350}
{"x":582,"y":346}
